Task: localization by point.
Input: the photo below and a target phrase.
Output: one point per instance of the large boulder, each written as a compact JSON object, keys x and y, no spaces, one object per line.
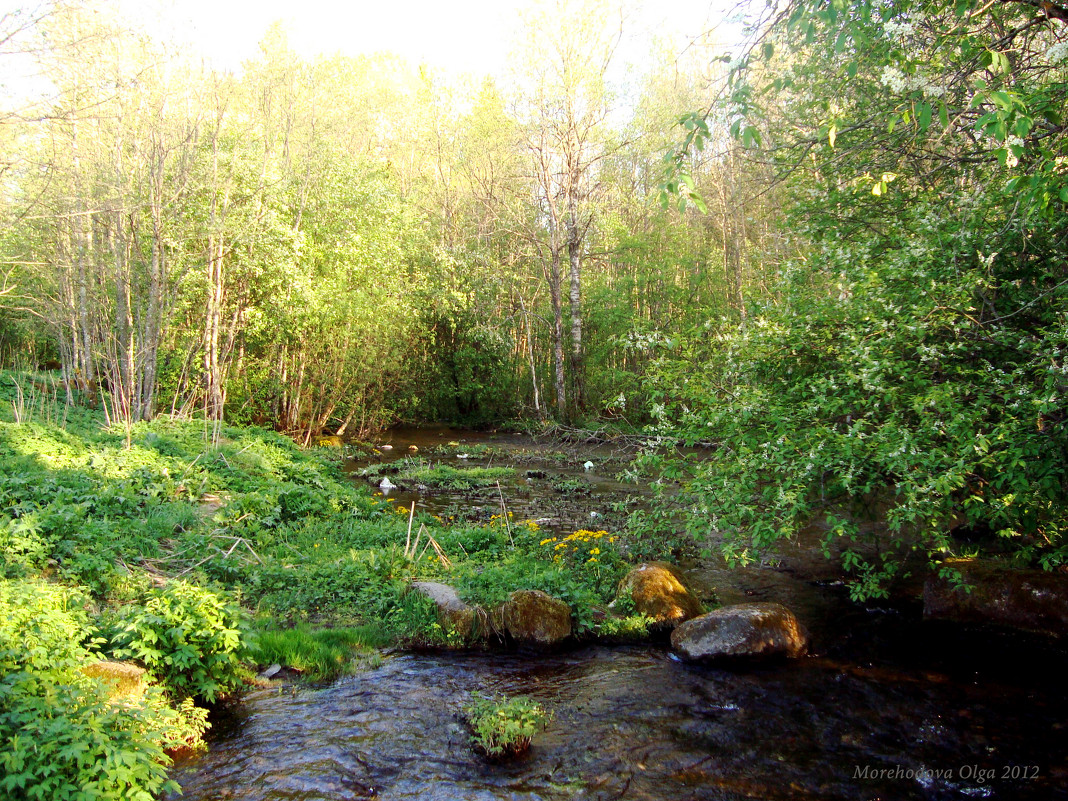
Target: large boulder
{"x":1033,"y":600}
{"x":532,"y":617}
{"x":741,"y":631}
{"x":658,"y":591}
{"x":455,"y":616}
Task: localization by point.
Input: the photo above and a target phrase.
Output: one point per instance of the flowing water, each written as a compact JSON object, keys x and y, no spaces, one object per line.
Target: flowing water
{"x":888,"y":706}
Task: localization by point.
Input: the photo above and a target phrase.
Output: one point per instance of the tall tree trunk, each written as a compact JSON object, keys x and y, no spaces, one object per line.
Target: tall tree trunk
{"x":578,"y":359}
{"x":530,"y":353}
{"x":558,"y":332}
{"x":213,"y":397}
{"x":122,"y":369}
{"x":153,"y":319}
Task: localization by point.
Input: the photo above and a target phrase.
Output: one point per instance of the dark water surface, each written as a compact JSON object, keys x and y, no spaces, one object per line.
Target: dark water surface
{"x":888,"y":706}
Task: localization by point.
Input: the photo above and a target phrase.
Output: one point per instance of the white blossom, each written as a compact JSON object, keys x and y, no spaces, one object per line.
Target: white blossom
{"x":893,"y":29}
{"x":898,"y":81}
{"x":1057,"y":52}
{"x":894,"y":78}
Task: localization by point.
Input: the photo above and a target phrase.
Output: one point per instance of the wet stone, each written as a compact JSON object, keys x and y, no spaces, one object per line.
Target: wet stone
{"x":741,"y":631}
{"x":532,"y":617}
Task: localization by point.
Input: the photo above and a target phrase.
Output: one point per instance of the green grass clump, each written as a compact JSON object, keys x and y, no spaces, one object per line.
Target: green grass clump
{"x":319,"y":654}
{"x":446,"y":477}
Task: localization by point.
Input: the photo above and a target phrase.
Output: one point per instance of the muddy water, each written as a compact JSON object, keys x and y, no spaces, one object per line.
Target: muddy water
{"x":888,"y":706}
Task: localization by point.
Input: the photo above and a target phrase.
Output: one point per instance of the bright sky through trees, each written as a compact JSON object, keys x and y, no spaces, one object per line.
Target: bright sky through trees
{"x":460,"y":36}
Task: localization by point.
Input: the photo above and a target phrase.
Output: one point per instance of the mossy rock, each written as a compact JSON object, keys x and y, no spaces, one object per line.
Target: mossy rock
{"x":124,"y":679}
{"x":658,"y":591}
{"x":532,"y":617}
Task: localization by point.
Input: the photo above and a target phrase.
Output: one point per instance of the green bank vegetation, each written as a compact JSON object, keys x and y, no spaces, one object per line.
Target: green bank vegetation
{"x":204,"y":563}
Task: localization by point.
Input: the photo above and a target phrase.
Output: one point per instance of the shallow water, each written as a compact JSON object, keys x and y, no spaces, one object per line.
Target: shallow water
{"x":633,"y":723}
{"x":550,"y":484}
{"x":887,"y":706}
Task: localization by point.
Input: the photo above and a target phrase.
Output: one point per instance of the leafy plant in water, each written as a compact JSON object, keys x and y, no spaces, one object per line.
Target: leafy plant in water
{"x":502,"y":726}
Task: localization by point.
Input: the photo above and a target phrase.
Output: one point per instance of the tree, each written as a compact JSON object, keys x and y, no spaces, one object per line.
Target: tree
{"x":909,"y":362}
{"x":569,"y":51}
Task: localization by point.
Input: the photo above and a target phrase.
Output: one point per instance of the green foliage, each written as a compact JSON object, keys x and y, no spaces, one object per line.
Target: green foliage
{"x":908,"y":375}
{"x":503,"y":726}
{"x":626,"y":627}
{"x":457,"y":478}
{"x":61,"y":736}
{"x":186,"y":636}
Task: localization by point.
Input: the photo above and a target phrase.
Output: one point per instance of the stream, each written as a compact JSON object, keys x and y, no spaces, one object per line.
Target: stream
{"x":887,"y":705}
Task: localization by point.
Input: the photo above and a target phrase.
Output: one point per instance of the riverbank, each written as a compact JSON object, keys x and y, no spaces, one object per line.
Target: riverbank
{"x":205,"y":561}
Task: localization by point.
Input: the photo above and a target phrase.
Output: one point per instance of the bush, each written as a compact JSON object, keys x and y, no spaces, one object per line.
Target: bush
{"x":186,"y":636}
{"x":60,"y":735}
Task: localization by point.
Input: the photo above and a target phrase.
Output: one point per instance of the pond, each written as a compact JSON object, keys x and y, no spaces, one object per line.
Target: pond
{"x":887,"y":706}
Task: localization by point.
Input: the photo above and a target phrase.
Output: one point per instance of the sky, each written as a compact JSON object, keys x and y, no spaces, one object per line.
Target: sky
{"x":455,"y":35}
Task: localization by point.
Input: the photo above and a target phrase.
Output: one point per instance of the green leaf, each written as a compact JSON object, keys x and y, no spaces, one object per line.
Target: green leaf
{"x":924,"y":116}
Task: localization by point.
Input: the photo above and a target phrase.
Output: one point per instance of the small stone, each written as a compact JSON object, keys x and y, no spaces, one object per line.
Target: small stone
{"x":271,"y":672}
{"x":386,"y":485}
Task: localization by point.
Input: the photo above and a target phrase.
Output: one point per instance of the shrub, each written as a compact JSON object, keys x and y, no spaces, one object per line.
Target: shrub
{"x":186,"y":636}
{"x":60,"y":735}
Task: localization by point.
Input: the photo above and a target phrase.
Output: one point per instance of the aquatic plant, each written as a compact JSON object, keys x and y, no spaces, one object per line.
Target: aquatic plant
{"x":502,"y":726}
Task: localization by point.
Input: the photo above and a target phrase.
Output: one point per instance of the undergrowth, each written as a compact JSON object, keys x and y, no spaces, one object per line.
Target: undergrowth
{"x":157,"y":545}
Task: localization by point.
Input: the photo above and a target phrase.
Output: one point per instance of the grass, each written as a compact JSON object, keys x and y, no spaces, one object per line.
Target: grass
{"x":318,"y":653}
{"x":446,"y":477}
